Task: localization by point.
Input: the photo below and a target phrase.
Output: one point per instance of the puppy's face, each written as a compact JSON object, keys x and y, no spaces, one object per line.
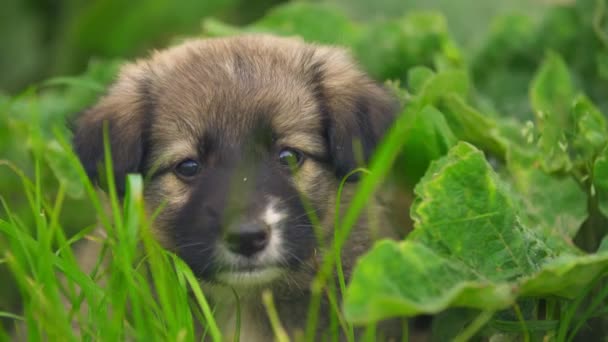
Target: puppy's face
{"x":241,"y":140}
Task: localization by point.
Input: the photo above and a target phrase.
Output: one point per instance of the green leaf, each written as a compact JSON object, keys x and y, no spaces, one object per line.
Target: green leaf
{"x":414,"y":279}
{"x":430,"y":135}
{"x":600,"y":181}
{"x":454,"y":81}
{"x":417,"y":77}
{"x":466,"y":246}
{"x":470,"y":125}
{"x":551,"y":94}
{"x":469,"y":248}
{"x":428,"y":138}
{"x":591,"y":133}
{"x":556,"y":203}
{"x":461,"y":193}
{"x":566,"y":277}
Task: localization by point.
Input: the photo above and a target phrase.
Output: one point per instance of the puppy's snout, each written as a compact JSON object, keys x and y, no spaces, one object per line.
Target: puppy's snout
{"x":247,"y":239}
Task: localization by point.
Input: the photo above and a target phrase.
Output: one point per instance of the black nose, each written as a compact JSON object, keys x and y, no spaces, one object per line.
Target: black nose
{"x":247,"y":239}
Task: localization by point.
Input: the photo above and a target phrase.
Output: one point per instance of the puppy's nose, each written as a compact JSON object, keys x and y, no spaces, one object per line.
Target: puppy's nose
{"x":247,"y":238}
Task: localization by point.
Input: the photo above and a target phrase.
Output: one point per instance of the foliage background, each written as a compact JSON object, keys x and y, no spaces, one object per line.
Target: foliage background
{"x":58,"y":55}
{"x":44,"y":38}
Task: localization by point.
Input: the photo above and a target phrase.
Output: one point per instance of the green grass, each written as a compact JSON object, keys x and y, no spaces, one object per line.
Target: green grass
{"x":136,"y":290}
{"x":528,"y":97}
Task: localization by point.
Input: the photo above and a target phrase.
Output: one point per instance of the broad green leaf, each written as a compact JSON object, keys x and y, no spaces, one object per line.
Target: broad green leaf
{"x":414,"y":279}
{"x":460,"y":194}
{"x":470,"y":125}
{"x":551,"y":94}
{"x":428,"y":138}
{"x":557,"y":203}
{"x":466,"y":246}
{"x":600,"y":181}
{"x":567,"y":276}
{"x":552,"y":203}
{"x":469,"y":248}
{"x":430,"y":135}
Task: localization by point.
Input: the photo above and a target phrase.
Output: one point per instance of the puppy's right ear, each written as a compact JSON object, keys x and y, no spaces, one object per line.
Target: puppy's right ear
{"x":123,"y":111}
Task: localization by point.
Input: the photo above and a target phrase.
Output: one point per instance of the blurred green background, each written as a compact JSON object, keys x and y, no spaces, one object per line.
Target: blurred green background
{"x":58,"y":37}
{"x":57,"y":56}
{"x":44,"y":38}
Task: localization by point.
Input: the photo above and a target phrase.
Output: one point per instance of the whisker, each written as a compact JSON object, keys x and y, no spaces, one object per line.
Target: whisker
{"x":285,"y":262}
{"x":304,"y":215}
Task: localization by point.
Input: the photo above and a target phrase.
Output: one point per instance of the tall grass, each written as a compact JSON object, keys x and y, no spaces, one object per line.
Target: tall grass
{"x":135,"y":289}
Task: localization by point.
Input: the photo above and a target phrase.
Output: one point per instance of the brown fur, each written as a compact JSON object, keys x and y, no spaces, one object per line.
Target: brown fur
{"x":314,"y":97}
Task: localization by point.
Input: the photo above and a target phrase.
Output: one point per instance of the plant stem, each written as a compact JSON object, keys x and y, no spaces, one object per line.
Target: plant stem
{"x":277,"y":328}
{"x":522,"y":321}
{"x":475,"y":326}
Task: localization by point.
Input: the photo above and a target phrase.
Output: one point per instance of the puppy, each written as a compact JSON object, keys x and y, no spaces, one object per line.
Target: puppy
{"x":241,"y":140}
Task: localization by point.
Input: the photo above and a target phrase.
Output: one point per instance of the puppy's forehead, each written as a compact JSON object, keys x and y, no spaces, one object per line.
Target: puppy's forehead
{"x":215,"y":86}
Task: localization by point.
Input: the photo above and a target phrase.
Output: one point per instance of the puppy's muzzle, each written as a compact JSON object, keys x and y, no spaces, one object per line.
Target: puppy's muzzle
{"x":247,"y":238}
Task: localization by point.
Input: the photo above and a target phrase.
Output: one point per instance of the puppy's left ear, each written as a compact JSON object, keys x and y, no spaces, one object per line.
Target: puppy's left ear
{"x":358,"y":113}
{"x":123,"y":113}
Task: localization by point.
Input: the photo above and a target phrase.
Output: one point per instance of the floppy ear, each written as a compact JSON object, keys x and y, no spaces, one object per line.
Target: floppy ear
{"x":358,"y":113}
{"x":122,"y":111}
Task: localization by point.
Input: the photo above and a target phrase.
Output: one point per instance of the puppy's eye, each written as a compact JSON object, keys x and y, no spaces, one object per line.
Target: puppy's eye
{"x":290,"y":157}
{"x":187,"y":168}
